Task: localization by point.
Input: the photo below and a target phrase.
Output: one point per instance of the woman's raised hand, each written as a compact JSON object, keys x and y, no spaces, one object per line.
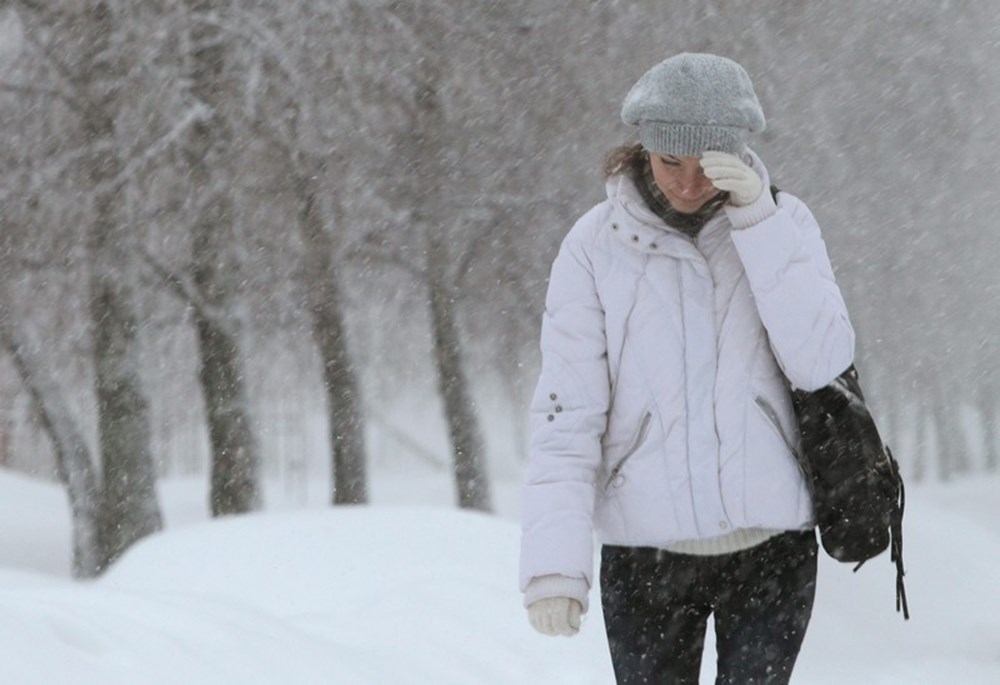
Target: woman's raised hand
{"x":729,"y":172}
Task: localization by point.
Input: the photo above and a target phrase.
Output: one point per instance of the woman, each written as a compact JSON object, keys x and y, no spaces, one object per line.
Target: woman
{"x":679,"y":312}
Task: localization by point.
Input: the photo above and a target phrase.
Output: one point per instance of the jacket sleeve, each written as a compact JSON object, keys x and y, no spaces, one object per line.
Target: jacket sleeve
{"x":796,"y":294}
{"x":568,"y":420}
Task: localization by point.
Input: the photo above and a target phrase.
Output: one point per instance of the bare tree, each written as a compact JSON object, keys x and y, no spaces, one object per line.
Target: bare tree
{"x":74,"y":464}
{"x":310,"y":132}
{"x":344,"y":406}
{"x":215,"y":271}
{"x":90,"y":79}
{"x":26,"y":347}
{"x":426,"y":153}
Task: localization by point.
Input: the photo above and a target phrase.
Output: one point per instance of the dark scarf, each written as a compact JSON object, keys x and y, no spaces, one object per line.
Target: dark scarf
{"x":690,"y":224}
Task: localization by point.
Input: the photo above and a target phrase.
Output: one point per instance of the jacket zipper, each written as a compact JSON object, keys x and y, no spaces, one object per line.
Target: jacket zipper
{"x":772,"y":419}
{"x":639,"y":438}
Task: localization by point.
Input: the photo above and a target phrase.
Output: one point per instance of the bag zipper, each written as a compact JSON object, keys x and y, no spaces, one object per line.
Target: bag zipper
{"x":639,"y":438}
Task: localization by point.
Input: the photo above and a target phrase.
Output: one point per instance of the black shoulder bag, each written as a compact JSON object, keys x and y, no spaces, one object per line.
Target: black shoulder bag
{"x":857,"y":491}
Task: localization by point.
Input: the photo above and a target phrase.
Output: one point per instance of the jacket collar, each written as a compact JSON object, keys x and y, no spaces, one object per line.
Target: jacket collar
{"x":639,"y":226}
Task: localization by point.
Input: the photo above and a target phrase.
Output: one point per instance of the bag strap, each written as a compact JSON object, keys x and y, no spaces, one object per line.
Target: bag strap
{"x":896,"y":533}
{"x":896,"y":536}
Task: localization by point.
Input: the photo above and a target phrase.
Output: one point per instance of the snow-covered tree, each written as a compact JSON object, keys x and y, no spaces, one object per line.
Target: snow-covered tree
{"x":75,"y":55}
{"x":216,"y":264}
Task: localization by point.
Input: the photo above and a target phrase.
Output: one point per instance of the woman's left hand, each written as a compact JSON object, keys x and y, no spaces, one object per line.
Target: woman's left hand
{"x":728,"y":172}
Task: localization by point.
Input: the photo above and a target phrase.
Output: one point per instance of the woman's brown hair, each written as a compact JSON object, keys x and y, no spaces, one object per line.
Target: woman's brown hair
{"x":624,"y":159}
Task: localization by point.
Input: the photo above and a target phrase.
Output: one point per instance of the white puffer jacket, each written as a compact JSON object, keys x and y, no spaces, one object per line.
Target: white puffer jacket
{"x":663,"y":413}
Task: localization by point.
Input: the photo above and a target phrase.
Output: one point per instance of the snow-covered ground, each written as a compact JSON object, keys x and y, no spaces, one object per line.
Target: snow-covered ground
{"x":412,"y":591}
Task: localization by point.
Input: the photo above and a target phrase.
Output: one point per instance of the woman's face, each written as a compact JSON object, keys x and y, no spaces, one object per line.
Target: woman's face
{"x":682,"y":181}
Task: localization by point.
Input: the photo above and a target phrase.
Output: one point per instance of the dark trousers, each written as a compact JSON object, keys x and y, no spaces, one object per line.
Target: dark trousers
{"x":657,"y":603}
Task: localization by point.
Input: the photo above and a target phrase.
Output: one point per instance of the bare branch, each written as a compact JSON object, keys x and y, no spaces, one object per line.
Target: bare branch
{"x":197,"y":112}
{"x":369,"y":253}
{"x":32,"y":5}
{"x":27,"y":89}
{"x":183,"y":288}
{"x":407,"y":441}
{"x":36,"y":264}
{"x":471,"y":250}
{"x":258,"y":34}
{"x":69,"y":79}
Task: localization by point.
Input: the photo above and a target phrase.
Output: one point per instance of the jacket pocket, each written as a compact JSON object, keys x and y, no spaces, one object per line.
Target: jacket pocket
{"x":640,"y":437}
{"x":771,"y":417}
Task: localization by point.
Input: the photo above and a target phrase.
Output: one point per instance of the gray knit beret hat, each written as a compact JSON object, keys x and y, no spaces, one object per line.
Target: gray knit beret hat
{"x":694,"y":102}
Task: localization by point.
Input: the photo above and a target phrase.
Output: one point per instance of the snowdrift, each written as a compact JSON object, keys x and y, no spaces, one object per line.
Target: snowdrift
{"x":422,"y":594}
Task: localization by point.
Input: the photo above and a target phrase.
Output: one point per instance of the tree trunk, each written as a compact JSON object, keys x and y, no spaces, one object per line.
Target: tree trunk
{"x":235,"y":479}
{"x":951,"y":447}
{"x":235,"y":451}
{"x":129,"y":508}
{"x":471,"y":479}
{"x":921,"y":445}
{"x":73,"y":461}
{"x":346,"y":420}
{"x":423,"y":151}
{"x":988,"y":411}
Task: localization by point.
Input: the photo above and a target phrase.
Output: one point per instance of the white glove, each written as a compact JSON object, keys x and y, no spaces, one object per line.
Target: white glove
{"x":555,"y":616}
{"x":729,"y":172}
